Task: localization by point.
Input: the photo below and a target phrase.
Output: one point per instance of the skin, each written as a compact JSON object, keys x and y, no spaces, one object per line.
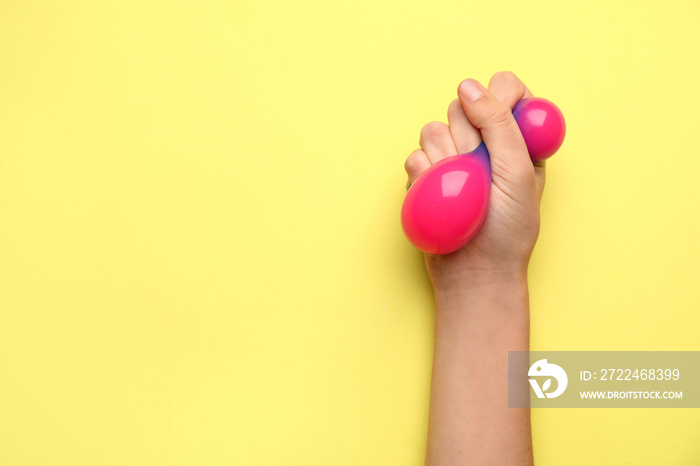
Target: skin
{"x":481,"y":291}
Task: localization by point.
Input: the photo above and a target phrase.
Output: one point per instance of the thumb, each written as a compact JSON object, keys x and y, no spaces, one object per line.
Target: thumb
{"x":499,"y":130}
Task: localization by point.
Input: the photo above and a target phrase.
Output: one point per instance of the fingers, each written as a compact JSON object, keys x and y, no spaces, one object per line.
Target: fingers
{"x":466,"y":138}
{"x":415,"y":164}
{"x":500,"y":132}
{"x":436,"y":141}
{"x":436,"y":144}
{"x":508,"y":88}
{"x":480,"y":113}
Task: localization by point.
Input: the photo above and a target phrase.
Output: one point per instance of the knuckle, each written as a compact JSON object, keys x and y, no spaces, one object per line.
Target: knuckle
{"x":434,"y":131}
{"x":455,"y":105}
{"x":499,"y":115}
{"x":413,"y":161}
{"x":454,"y":110}
{"x":505,"y":76}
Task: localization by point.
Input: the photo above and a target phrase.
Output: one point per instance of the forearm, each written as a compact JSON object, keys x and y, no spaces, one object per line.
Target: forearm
{"x":476,"y":324}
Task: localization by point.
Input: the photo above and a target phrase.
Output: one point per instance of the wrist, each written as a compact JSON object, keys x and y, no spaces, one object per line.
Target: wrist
{"x":477,"y":291}
{"x":449,"y":280}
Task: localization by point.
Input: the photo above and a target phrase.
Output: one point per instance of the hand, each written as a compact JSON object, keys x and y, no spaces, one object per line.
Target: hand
{"x":503,"y":246}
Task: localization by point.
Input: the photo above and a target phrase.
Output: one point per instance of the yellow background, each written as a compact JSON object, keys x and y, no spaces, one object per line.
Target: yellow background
{"x":201,"y":260}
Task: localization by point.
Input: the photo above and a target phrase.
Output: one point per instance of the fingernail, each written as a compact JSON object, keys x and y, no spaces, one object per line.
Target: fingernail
{"x":470,"y":90}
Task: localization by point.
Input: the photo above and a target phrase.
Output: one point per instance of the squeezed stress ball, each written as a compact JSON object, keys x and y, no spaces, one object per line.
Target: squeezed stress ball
{"x":542,"y":126}
{"x":447,"y":204}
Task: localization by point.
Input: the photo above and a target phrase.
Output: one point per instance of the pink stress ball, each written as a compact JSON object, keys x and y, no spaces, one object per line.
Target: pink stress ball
{"x":542,"y":125}
{"x":445,"y":207}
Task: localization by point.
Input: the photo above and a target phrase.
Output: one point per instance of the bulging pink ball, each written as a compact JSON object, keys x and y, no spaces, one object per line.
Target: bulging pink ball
{"x":447,"y":204}
{"x":542,"y":125}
